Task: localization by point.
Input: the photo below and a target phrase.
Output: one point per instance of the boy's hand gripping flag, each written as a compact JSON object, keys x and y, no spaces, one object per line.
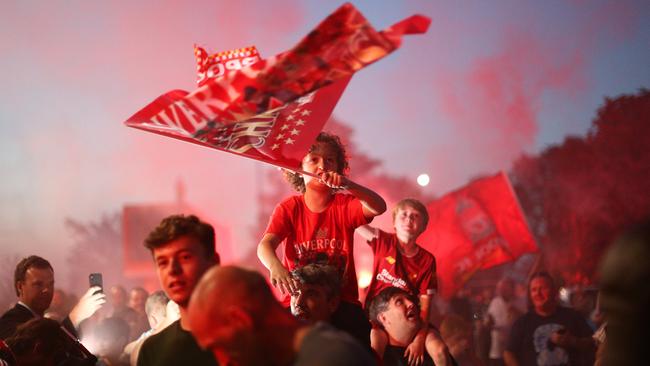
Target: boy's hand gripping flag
{"x":475,"y":227}
{"x":272,"y":110}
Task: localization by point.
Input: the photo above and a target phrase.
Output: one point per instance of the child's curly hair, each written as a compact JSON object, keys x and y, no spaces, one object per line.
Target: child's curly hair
{"x":335,"y":143}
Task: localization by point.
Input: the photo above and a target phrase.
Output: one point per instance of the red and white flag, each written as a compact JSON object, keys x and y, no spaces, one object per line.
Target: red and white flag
{"x":272,"y":110}
{"x":475,"y":227}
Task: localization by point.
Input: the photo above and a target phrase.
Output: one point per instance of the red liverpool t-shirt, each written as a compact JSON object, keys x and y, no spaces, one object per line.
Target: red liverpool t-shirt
{"x":419,"y":270}
{"x":325,"y":237}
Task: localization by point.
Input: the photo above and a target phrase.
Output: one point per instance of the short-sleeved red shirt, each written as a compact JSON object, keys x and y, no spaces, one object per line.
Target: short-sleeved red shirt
{"x":419,"y":270}
{"x":326,"y":237}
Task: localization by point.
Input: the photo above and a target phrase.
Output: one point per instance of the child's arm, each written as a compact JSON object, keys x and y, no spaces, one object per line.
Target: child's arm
{"x":378,"y":341}
{"x":367,"y":232}
{"x":372,"y":203}
{"x":279,"y":276}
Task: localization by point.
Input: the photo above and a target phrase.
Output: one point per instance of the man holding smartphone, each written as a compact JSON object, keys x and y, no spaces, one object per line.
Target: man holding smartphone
{"x":34,"y":284}
{"x":183,"y":248}
{"x":548,"y":334}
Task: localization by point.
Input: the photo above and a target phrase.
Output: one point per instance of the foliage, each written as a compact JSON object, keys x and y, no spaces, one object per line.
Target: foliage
{"x":97,"y":248}
{"x":578,"y":195}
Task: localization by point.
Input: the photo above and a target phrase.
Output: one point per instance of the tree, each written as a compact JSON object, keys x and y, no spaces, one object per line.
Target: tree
{"x":578,"y":195}
{"x":97,"y":248}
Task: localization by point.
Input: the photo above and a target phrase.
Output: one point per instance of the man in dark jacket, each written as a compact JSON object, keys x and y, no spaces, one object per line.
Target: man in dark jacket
{"x":34,"y":284}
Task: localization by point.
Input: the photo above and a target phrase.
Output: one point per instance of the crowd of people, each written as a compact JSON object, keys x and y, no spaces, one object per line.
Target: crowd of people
{"x":212,"y":314}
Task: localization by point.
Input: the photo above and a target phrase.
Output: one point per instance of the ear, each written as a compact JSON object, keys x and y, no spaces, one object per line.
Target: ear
{"x":19,"y":287}
{"x":382,"y":319}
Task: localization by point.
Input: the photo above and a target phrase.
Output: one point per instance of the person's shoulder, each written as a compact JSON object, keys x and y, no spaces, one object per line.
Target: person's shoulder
{"x":16,"y":310}
{"x":524,"y":319}
{"x":155,"y":340}
{"x":425,"y":253}
{"x":292,"y":201}
{"x":570,"y":314}
{"x":386,"y":238}
{"x":325,"y":345}
{"x":17,"y":314}
{"x":567,"y":312}
{"x":154,"y":348}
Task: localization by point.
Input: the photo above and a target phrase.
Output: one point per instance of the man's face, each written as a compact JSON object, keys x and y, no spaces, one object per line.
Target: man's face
{"x":137,"y":300}
{"x":408,"y":222}
{"x":321,"y":159}
{"x":37,"y":289}
{"x":541,"y":293}
{"x":311,"y":304}
{"x":180,"y":264}
{"x":401,"y":316}
{"x":117,"y":297}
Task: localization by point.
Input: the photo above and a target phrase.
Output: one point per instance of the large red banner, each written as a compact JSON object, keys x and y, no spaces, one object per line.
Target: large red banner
{"x":475,"y":227}
{"x":271,"y":110}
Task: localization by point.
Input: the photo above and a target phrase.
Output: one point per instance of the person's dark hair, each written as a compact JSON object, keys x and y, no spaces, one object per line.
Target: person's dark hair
{"x":417,"y":205}
{"x":335,"y":143}
{"x":176,"y":226}
{"x":41,"y":335}
{"x":27,"y":263}
{"x":380,"y":302}
{"x":320,"y":275}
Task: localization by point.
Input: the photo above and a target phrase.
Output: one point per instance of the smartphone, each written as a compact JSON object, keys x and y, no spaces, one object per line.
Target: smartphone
{"x":95,"y":279}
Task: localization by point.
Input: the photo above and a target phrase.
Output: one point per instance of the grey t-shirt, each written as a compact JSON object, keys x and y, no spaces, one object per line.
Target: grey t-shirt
{"x":324,"y":345}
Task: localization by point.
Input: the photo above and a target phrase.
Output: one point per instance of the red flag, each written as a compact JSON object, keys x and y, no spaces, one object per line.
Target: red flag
{"x":217,"y":65}
{"x":476,"y":227}
{"x":237,"y":112}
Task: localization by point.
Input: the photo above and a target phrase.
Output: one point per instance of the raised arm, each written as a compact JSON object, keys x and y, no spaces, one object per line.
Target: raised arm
{"x":278,"y":275}
{"x":373,"y":204}
{"x":367,"y":232}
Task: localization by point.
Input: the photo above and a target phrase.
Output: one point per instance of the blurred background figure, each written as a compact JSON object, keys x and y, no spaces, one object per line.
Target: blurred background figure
{"x":625,"y":298}
{"x":137,"y":299}
{"x":458,"y":335}
{"x":119,"y":308}
{"x":110,"y":337}
{"x":161,"y":312}
{"x":58,"y":307}
{"x":500,"y":315}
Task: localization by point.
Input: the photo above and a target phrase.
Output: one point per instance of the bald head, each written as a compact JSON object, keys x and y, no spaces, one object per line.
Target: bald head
{"x":223,"y":286}
{"x":227,"y":307}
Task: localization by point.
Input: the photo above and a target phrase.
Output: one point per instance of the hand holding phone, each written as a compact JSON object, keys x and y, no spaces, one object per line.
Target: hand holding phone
{"x":95,"y":279}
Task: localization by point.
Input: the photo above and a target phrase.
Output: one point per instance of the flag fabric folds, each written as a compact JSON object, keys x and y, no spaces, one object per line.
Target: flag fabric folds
{"x":271,"y":110}
{"x":476,"y":227}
